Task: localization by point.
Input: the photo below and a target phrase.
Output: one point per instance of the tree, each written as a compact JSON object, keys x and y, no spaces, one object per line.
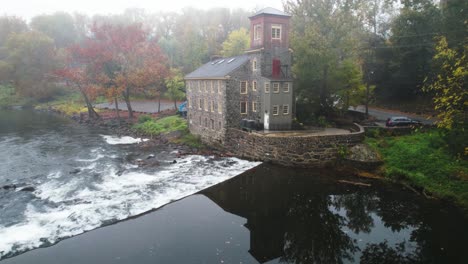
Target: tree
{"x":32,"y":57}
{"x":449,"y":87}
{"x":237,"y":42}
{"x":59,"y":26}
{"x":324,"y":33}
{"x":175,"y":86}
{"x":350,"y":89}
{"x":9,"y":25}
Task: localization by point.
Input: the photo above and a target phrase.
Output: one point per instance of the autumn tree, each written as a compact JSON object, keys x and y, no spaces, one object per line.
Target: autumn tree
{"x":237,"y":42}
{"x":175,"y":86}
{"x":450,"y":86}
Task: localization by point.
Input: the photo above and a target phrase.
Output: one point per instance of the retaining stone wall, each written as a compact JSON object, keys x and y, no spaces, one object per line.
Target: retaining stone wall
{"x":301,"y":151}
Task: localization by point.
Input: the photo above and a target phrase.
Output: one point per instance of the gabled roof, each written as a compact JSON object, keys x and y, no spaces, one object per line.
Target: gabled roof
{"x":218,"y":68}
{"x":270,"y":11}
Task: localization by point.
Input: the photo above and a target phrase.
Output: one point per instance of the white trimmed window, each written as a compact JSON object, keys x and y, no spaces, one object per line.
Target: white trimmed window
{"x":219,"y":87}
{"x":276,"y":87}
{"x":285,"y":109}
{"x":267,"y":87}
{"x":206,"y":86}
{"x":189,"y":103}
{"x":212,"y":124}
{"x":200,"y":104}
{"x":243,"y":108}
{"x":286,"y":87}
{"x":220,"y":108}
{"x":206,"y":105}
{"x":276,"y":31}
{"x":254,"y":86}
{"x":188,"y":86}
{"x":199,"y":86}
{"x":254,"y":106}
{"x":254,"y":64}
{"x":212,"y":106}
{"x":243,"y":87}
{"x":212,"y":86}
{"x":275,"y":110}
{"x":257,"y":32}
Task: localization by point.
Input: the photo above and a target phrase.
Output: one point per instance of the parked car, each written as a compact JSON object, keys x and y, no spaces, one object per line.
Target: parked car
{"x":398,"y":121}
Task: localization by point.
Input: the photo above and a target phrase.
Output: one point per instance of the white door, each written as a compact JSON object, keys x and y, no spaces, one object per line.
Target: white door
{"x":266,"y":123}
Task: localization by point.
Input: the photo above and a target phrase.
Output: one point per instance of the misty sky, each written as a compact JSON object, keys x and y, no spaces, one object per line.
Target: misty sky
{"x":30,"y":8}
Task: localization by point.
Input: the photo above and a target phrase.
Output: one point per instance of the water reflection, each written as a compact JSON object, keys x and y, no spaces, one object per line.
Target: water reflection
{"x":300,"y":216}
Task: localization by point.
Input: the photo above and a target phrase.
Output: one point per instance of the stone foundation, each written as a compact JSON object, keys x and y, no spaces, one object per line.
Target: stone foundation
{"x":307,"y":150}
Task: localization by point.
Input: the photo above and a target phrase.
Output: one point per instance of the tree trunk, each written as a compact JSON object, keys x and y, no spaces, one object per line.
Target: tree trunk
{"x":117,"y":109}
{"x":323,"y":99}
{"x":126,"y":96}
{"x":92,"y":114}
{"x":159,"y":104}
{"x":175,"y":104}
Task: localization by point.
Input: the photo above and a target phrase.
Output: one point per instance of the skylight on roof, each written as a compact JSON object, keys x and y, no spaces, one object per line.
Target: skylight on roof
{"x":221,"y":61}
{"x":231,"y":60}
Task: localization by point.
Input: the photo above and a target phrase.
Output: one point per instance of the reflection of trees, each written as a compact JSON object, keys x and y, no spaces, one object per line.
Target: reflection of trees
{"x":358,"y":207}
{"x":314,"y":233}
{"x":382,"y":253}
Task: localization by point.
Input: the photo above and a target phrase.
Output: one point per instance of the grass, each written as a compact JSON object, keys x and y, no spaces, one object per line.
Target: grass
{"x":8,"y":97}
{"x":167,"y":125}
{"x":422,"y":160}
{"x":68,"y":104}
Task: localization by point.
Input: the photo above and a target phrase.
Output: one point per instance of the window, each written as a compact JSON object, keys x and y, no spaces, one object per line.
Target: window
{"x":243,"y":108}
{"x":206,"y":105}
{"x":286,"y":87}
{"x":267,"y":87}
{"x":200,"y":104}
{"x":188,"y":86}
{"x":254,"y":65}
{"x":212,"y":124}
{"x":220,"y":108}
{"x":219,"y":87}
{"x":206,"y":122}
{"x":257,"y":32}
{"x":199,"y":120}
{"x":212,"y":86}
{"x":219,"y":125}
{"x":285,"y":109}
{"x":206,"y":86}
{"x":275,"y":110}
{"x":276,"y":31}
{"x":254,"y":106}
{"x":212,"y":106}
{"x":189,"y":103}
{"x":243,"y":87}
{"x":276,"y":87}
{"x":199,"y":86}
{"x":254,"y":86}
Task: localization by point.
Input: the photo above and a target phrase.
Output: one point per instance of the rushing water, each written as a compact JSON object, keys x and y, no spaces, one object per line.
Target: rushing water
{"x":60,"y":179}
{"x":268,"y":214}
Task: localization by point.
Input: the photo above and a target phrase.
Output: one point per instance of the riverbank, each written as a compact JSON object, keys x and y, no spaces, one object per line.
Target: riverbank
{"x":422,"y":162}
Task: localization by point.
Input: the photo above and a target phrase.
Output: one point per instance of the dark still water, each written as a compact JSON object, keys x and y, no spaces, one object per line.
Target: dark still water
{"x":267,"y":214}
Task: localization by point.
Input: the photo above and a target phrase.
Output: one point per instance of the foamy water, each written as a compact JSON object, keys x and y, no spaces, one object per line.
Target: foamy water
{"x":62,"y":209}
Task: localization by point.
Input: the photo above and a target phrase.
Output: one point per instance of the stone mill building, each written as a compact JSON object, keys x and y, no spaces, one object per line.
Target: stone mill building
{"x":255,"y":86}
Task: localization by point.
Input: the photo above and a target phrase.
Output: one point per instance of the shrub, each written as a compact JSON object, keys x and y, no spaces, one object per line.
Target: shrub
{"x":143,"y":118}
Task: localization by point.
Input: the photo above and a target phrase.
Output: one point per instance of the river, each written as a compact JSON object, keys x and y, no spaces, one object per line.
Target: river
{"x":70,"y":179}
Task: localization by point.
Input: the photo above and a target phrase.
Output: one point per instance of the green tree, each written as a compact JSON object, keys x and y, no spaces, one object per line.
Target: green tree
{"x":59,"y":26}
{"x":32,"y":57}
{"x":9,"y":25}
{"x":350,"y":89}
{"x":324,"y":33}
{"x":237,"y":42}
{"x":175,"y":86}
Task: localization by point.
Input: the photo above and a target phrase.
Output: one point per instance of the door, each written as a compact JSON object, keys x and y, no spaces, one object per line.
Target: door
{"x":266,"y":123}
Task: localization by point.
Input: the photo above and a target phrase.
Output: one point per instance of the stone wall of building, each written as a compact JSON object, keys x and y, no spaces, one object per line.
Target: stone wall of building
{"x":301,"y":151}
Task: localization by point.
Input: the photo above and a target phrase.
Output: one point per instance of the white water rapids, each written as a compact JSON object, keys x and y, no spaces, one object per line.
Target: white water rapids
{"x":64,"y":205}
